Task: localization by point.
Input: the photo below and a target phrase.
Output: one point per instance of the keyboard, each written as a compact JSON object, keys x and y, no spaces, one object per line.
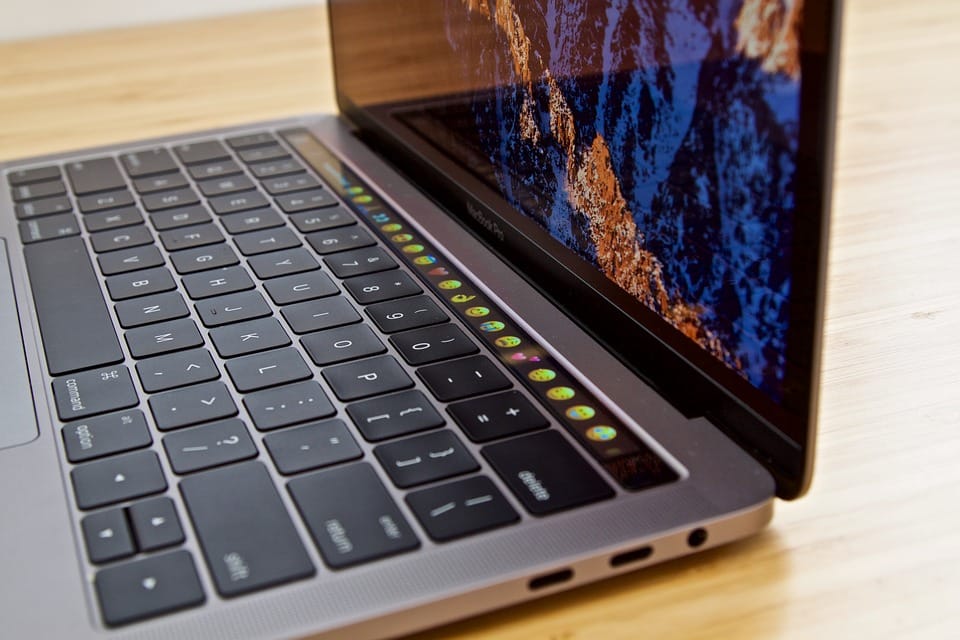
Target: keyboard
{"x":244,"y":342}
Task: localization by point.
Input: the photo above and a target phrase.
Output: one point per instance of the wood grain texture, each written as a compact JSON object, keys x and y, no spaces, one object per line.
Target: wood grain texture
{"x":872,"y":550}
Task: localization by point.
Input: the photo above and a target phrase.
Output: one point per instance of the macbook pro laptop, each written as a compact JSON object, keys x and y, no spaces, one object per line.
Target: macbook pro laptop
{"x":540,"y":306}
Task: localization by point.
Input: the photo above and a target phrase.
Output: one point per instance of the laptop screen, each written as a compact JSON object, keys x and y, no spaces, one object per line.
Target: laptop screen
{"x":653,"y":147}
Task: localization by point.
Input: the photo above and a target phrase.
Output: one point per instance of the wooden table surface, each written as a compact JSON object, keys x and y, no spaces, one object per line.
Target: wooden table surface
{"x":872,"y":550}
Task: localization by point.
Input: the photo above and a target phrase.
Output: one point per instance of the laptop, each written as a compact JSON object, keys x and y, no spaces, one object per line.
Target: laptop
{"x":540,"y":306}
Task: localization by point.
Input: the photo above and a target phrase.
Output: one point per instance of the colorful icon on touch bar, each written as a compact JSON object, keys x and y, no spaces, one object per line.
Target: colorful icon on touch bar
{"x":393,"y":227}
{"x":424,"y":260}
{"x":477,"y":312}
{"x":450,"y":284}
{"x":542,"y":375}
{"x":354,"y":191}
{"x":402,"y":237}
{"x":460,"y":298}
{"x":362,"y":199}
{"x":580,"y":412}
{"x":507,"y":342}
{"x":492,"y":326}
{"x":414,"y":248}
{"x":438,"y":271}
{"x":602,"y":433}
{"x":560,"y":393}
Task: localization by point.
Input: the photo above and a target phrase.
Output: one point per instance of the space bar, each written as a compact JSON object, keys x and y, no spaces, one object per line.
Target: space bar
{"x":75,"y":324}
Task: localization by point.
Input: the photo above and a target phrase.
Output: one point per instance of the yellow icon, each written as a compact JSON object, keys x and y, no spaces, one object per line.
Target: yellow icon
{"x":450,"y":284}
{"x":355,"y":191}
{"x":362,"y":199}
{"x":424,"y":260}
{"x":542,"y":375}
{"x":413,"y":248}
{"x":460,"y":298}
{"x":560,"y":393}
{"x":492,"y":326}
{"x":402,"y":237}
{"x":477,"y":312}
{"x":393,"y":227}
{"x":602,"y":433}
{"x":580,"y":412}
{"x":507,"y":342}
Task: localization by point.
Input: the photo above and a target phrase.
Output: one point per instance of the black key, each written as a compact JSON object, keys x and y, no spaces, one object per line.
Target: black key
{"x":140,"y":283}
{"x":343,"y":344}
{"x":425,"y":458}
{"x":38,"y":190}
{"x":120,"y":239}
{"x":203,"y":258}
{"x":252,"y":221}
{"x":497,"y":416}
{"x":359,"y":262}
{"x":92,"y":176}
{"x":38,"y":174}
{"x":219,"y":169}
{"x":148,"y":163}
{"x":251,"y":140}
{"x":49,"y":228}
{"x":37,"y":208}
{"x":258,"y":242}
{"x":92,"y":392}
{"x":263,"y":154}
{"x":315,"y":315}
{"x":283,"y":263}
{"x":190,"y":237}
{"x":249,"y":337}
{"x":215,"y":283}
{"x":409,"y":313}
{"x":176,"y":370}
{"x":107,"y":536}
{"x":155,"y":524}
{"x":164,"y":337}
{"x":129,"y":260}
{"x":149,"y":587}
{"x":329,"y":218}
{"x":200,"y":152}
{"x":301,"y":287}
{"x":154,"y":184}
{"x":276,"y":168}
{"x":395,"y":415}
{"x":340,"y":239}
{"x":291,"y":404}
{"x":246,"y":534}
{"x":222,"y":186}
{"x":463,"y":378}
{"x":116,"y":479}
{"x":116,"y":219}
{"x":546,"y":473}
{"x":238,"y":202}
{"x":150,"y":309}
{"x":209,"y":445}
{"x":233,"y":307}
{"x":379,"y":287}
{"x":461,"y":508}
{"x":291,"y":184}
{"x":369,"y":377}
{"x":175,"y":218}
{"x":314,"y":199}
{"x":69,"y":306}
{"x":312,"y":446}
{"x":192,"y":405}
{"x":432,"y":344}
{"x":105,"y":435}
{"x":104,"y":201}
{"x":269,"y":369}
{"x":169,"y":199}
{"x":354,"y":526}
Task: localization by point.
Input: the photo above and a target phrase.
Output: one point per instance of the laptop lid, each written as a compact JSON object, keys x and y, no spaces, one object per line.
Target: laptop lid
{"x":660,"y":169}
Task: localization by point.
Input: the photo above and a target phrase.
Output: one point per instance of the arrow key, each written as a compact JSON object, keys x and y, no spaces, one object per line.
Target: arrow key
{"x":107,"y":536}
{"x":149,"y":587}
{"x":155,"y":524}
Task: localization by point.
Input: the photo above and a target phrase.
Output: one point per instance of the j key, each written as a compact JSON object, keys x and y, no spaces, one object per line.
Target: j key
{"x":369,"y":377}
{"x":282,"y":263}
{"x":355,"y":526}
{"x":245,"y":531}
{"x":312,"y":446}
{"x":115,"y":219}
{"x":258,"y":242}
{"x":432,"y":344}
{"x":169,"y":199}
{"x":155,"y":524}
{"x":148,"y":587}
{"x":103,"y":201}
{"x":324,"y":313}
{"x":38,"y":190}
{"x":92,"y":392}
{"x":116,"y":479}
{"x":250,"y":140}
{"x":425,"y":458}
{"x":192,"y":405}
{"x":263,"y":154}
{"x":150,"y":309}
{"x":252,"y":221}
{"x":222,"y":186}
{"x":148,"y":163}
{"x":234,"y":307}
{"x":276,"y":168}
{"x":497,"y":416}
{"x":546,"y":473}
{"x":409,"y":313}
{"x":343,"y":344}
{"x":129,"y":260}
{"x":301,"y":287}
{"x":290,"y":404}
{"x":154,"y":184}
{"x":203,"y":258}
{"x":140,"y":283}
{"x":218,"y":282}
{"x":359,"y":262}
{"x":27,"y":176}
{"x":395,"y":415}
{"x":209,"y":445}
{"x":315,"y":199}
{"x":176,"y":370}
{"x":174,"y":218}
{"x":107,"y":536}
{"x":190,"y":237}
{"x":219,"y":169}
{"x":92,"y":176}
{"x":163,"y":337}
{"x":291,"y":184}
{"x":249,"y":337}
{"x":379,"y":287}
{"x":238,"y":202}
{"x":120,"y":239}
{"x":329,"y":218}
{"x":105,"y":435}
{"x":461,"y":508}
{"x":341,"y":239}
{"x":49,"y":228}
{"x":200,"y":152}
{"x":463,"y":378}
{"x":269,"y":369}
{"x":37,"y":208}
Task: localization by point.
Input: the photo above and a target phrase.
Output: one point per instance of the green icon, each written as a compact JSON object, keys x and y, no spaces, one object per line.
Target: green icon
{"x":492,"y":326}
{"x":424,"y":260}
{"x":507,"y":342}
{"x":561,"y":393}
{"x":601,"y":433}
{"x":402,"y":237}
{"x":580,"y":412}
{"x":477,"y":312}
{"x":542,"y":375}
{"x":450,"y":284}
{"x":413,"y":248}
{"x":393,"y":227}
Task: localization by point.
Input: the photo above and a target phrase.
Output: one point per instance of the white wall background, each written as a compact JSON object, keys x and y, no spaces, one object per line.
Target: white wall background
{"x":33,"y":18}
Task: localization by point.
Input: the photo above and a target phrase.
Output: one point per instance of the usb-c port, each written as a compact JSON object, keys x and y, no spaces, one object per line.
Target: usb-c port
{"x":550,"y":579}
{"x":634,"y":555}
